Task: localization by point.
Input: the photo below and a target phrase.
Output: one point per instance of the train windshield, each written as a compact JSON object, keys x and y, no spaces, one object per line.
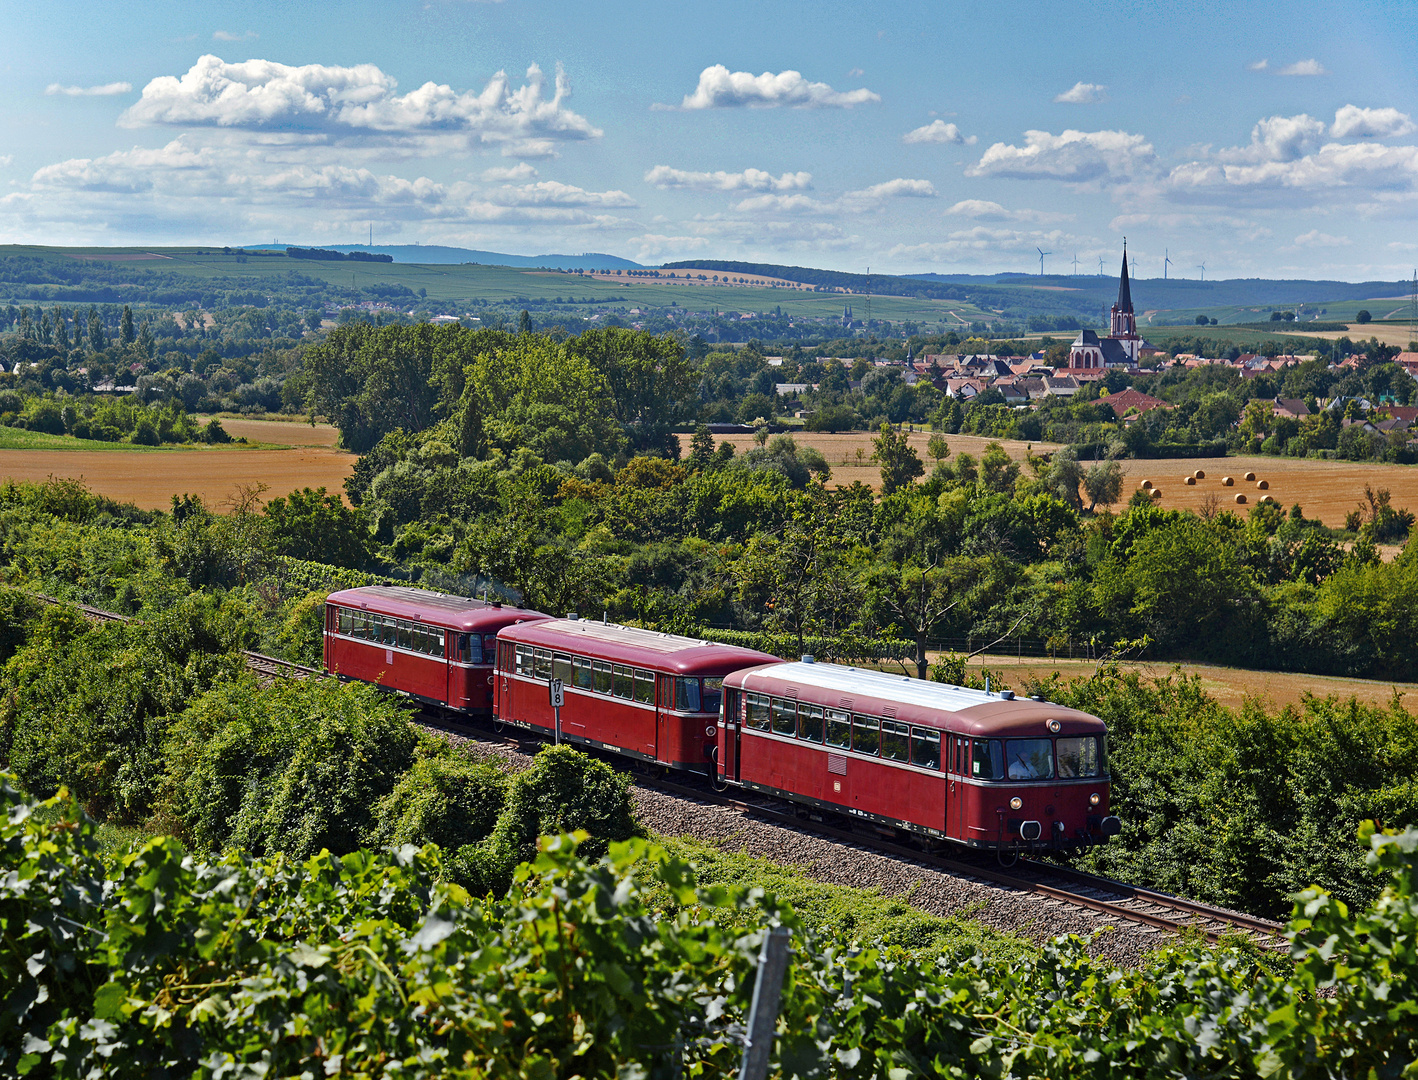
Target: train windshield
{"x":711,"y":695}
{"x":988,"y":761}
{"x":1029,"y":759}
{"x":1078,"y":756}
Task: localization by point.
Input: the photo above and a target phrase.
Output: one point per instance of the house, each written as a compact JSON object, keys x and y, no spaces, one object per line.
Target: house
{"x":1133,"y":402}
{"x":1035,"y":386}
{"x":964,"y":389}
{"x":1061,"y":386}
{"x":1290,"y":408}
{"x":1014,"y":394}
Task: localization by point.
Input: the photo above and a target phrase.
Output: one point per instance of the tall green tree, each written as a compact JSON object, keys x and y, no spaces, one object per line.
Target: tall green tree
{"x":900,"y":464}
{"x":126,"y":332}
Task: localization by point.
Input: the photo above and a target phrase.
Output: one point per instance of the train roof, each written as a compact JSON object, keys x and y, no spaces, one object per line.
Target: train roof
{"x":438,"y":609}
{"x":632,"y":645}
{"x":973,"y":712}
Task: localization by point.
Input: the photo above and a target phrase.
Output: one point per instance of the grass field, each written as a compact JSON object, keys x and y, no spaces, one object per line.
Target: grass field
{"x":286,"y":455}
{"x":22,"y":439}
{"x":1327,"y":490}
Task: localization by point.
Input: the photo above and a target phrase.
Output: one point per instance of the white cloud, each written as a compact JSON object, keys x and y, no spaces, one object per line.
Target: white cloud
{"x":360,"y":102}
{"x":1073,"y":156}
{"x":1352,"y":122}
{"x":555,"y":193}
{"x":1280,"y":138}
{"x":855,"y":73}
{"x":1303,"y":67}
{"x":106,"y":90}
{"x":720,"y":88}
{"x":227,"y":35}
{"x":521,"y":171}
{"x":899,"y":188}
{"x":1315,"y":238}
{"x":663,"y":176}
{"x":1083,"y":93}
{"x":985,"y":210}
{"x":781,"y":204}
{"x":655,"y":245}
{"x":5,"y":160}
{"x":1368,"y":166}
{"x":992,"y":243}
{"x":937,"y":131}
{"x":1259,"y":65}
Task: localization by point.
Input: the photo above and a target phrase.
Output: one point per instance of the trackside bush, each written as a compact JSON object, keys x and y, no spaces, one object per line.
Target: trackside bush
{"x":443,"y":799}
{"x":368,"y":965}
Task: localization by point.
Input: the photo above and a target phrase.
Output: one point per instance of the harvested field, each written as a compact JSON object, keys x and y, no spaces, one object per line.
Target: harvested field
{"x":281,"y":431}
{"x":1229,"y":686}
{"x":151,"y":479}
{"x":840,"y":450}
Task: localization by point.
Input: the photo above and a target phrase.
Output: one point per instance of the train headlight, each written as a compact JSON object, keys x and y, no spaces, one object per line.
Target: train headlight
{"x":1055,"y":726}
{"x":1094,"y":799}
{"x":1016,"y":803}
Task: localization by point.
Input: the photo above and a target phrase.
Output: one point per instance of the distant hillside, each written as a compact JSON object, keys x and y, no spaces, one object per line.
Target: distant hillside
{"x":433,"y":254}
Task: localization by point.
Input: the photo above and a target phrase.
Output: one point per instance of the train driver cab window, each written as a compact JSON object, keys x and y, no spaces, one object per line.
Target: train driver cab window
{"x":988,"y":760}
{"x":489,"y":647}
{"x":338,"y":619}
{"x":524,"y":660}
{"x":895,"y":740}
{"x":839,"y":729}
{"x":711,"y":696}
{"x":687,"y":695}
{"x":785,"y":717}
{"x":925,"y":748}
{"x":624,"y":682}
{"x":561,"y":668}
{"x":758,"y":715}
{"x":472,"y":649}
{"x":602,"y":672}
{"x":644,"y":686}
{"x":583,"y":676}
{"x":866,"y":735}
{"x":810,"y":723}
{"x":1077,"y":756}
{"x":1029,"y":759}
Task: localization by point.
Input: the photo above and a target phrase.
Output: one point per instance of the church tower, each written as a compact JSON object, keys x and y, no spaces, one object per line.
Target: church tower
{"x":1124,"y":321}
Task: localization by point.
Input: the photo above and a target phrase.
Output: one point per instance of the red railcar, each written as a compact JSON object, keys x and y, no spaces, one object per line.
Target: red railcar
{"x":427,"y":645}
{"x":986,"y":770}
{"x":649,"y":695}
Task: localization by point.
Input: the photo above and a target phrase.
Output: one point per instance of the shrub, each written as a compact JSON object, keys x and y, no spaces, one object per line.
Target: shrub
{"x":444,"y":799}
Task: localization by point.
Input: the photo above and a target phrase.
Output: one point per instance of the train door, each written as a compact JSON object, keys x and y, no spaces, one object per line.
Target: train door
{"x":665,"y":740}
{"x":502,"y":682}
{"x":957,"y":751}
{"x":729,"y":735}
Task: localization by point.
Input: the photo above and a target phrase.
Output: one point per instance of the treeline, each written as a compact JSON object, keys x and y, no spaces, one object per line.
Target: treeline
{"x":108,"y":419}
{"x":627,"y":966}
{"x":881,"y":284}
{"x":337,"y":256}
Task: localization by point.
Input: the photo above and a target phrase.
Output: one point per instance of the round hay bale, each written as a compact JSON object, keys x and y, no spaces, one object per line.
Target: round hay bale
{"x":1263,"y":484}
{"x":1200,"y":474}
{"x":1147,"y":485}
{"x":1190,"y":481}
{"x":1240,"y":499}
{"x":1227,"y":481}
{"x":1156,"y":493}
{"x":1267,"y":498}
{"x":1250,"y":476}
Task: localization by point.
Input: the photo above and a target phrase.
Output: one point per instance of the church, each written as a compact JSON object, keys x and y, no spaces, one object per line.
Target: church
{"x":1120,"y":347}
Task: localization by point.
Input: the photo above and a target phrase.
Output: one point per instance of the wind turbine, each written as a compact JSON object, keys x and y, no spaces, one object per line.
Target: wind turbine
{"x":1100,"y":266}
{"x":1042,"y":253}
{"x":1075,"y":264}
{"x":1202,"y":268}
{"x":1166,"y":262}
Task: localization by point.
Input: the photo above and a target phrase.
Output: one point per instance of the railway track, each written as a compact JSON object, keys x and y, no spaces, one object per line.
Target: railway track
{"x":1051,"y":882}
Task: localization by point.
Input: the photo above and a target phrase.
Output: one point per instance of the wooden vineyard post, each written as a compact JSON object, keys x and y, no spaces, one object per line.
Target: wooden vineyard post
{"x":767,"y":994}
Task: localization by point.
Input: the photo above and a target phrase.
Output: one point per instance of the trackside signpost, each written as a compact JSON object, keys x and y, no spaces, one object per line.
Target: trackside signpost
{"x":557,"y":690}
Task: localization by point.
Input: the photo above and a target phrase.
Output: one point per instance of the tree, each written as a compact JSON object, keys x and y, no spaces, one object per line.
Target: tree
{"x":1202,"y":320}
{"x":318,"y":527}
{"x":937,"y":447}
{"x":61,"y":328}
{"x":900,"y":464}
{"x":1363,"y":317}
{"x":126,"y":334}
{"x":1104,"y":483}
{"x":701,"y":447}
{"x":97,"y":339}
{"x":524,"y":322}
{"x":998,"y":471}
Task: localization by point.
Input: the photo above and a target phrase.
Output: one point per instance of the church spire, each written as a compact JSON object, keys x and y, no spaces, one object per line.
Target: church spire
{"x":1124,"y":291}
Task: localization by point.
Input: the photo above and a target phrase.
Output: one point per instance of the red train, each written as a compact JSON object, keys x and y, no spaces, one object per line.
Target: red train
{"x":980,"y":769}
{"x":422,"y":644}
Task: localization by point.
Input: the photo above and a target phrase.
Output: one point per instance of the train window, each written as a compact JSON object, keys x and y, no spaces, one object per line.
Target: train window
{"x":342,"y":621}
{"x":988,"y":762}
{"x":644,"y":687}
{"x":712,"y":695}
{"x":1029,"y":759}
{"x":561,"y":668}
{"x":582,"y":677}
{"x":361,"y":625}
{"x":541,"y":663}
{"x":602,"y":672}
{"x":489,"y":647}
{"x":390,"y":629}
{"x":624,"y":681}
{"x":472,"y":653}
{"x":866,"y":735}
{"x":1077,"y":756}
{"x":785,"y":717}
{"x":839,"y":729}
{"x":436,"y":639}
{"x":405,"y":634}
{"x":895,"y":740}
{"x":687,"y":695}
{"x":524,"y":660}
{"x":810,"y":723}
{"x":757,"y":712}
{"x":925,"y":748}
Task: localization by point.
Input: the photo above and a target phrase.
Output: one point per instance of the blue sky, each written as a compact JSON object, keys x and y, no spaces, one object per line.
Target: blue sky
{"x":1261,"y":139}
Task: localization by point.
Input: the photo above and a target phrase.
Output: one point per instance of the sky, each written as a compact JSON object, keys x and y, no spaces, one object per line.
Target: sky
{"x":1254,"y":139}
